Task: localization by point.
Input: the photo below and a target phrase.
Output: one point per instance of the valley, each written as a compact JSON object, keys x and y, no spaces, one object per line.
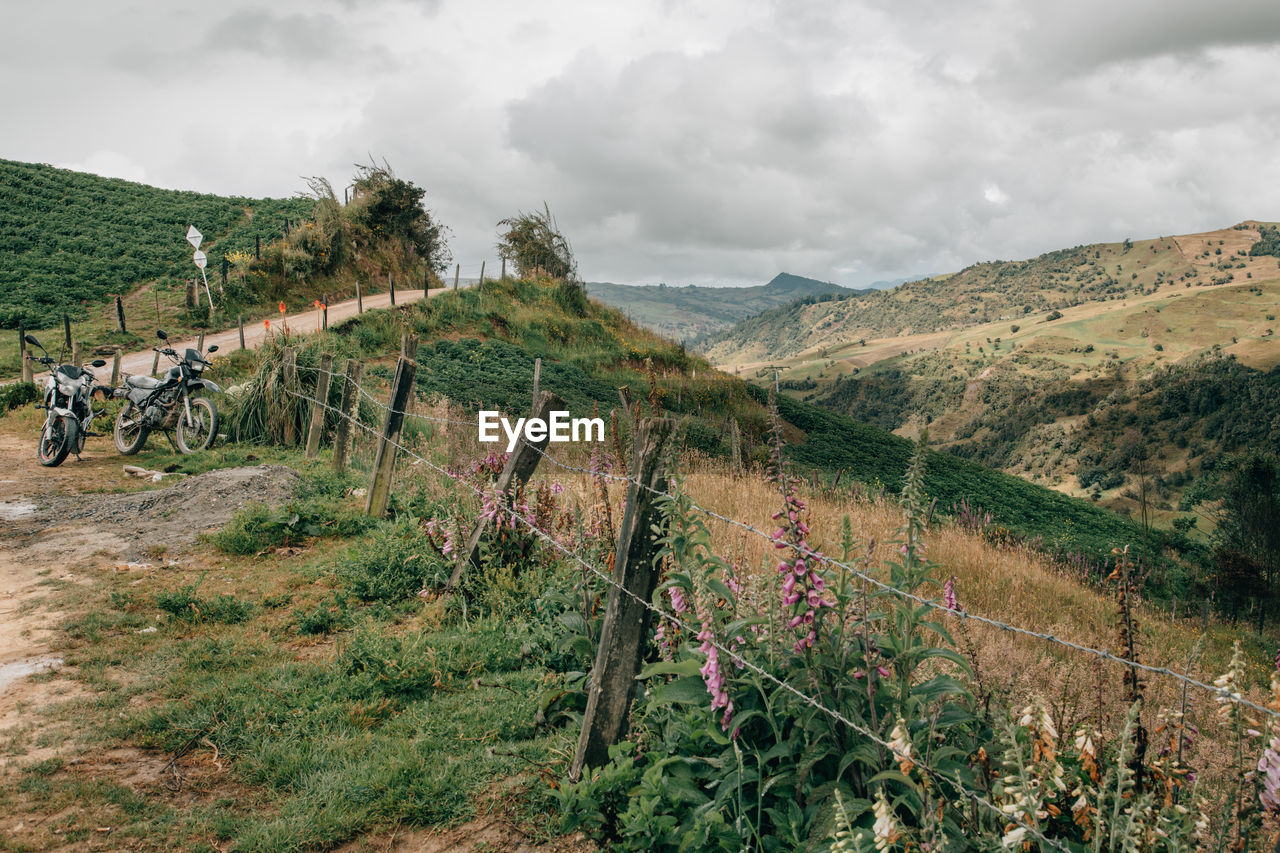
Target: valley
{"x":1049,"y":383}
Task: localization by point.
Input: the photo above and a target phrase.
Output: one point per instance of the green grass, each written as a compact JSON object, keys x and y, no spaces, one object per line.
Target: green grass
{"x":403,"y":718}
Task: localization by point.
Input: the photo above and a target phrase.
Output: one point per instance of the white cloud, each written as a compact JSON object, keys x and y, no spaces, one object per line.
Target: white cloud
{"x":718,"y":141}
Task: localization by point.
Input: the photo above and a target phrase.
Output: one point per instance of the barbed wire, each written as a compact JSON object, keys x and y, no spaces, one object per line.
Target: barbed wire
{"x":735,"y":656}
{"x":802,"y":549}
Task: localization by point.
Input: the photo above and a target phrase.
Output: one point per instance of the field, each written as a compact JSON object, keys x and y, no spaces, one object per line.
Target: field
{"x":1053,"y":393}
{"x":72,"y":239}
{"x":278,"y":684}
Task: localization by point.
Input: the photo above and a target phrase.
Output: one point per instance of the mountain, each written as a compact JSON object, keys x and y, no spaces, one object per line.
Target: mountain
{"x":1127,"y":372}
{"x":70,"y":238}
{"x":692,"y":312}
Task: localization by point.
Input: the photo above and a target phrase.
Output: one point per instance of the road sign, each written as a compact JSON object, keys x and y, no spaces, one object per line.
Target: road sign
{"x":194,"y":237}
{"x":200,"y":259}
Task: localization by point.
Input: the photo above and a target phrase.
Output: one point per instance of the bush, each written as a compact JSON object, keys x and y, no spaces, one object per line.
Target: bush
{"x":392,"y":565}
{"x":186,"y":605}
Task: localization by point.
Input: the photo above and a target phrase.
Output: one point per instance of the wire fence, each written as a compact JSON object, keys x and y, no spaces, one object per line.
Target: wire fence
{"x":1222,"y":693}
{"x":674,"y":618}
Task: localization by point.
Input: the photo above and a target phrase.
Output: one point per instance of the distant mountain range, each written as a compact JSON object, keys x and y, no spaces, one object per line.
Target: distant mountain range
{"x":692,"y":312}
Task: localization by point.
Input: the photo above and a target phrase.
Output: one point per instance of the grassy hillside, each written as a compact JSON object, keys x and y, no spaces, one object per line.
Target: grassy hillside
{"x":1002,"y":291}
{"x":70,"y":239}
{"x":691,"y":312}
{"x":477,"y":356}
{"x":1063,"y":394}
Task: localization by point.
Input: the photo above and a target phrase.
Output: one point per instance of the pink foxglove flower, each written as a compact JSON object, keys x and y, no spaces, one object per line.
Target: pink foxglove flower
{"x":949,"y":594}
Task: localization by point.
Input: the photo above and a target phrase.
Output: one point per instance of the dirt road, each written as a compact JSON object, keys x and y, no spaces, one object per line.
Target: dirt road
{"x":255,"y":332}
{"x":59,"y":525}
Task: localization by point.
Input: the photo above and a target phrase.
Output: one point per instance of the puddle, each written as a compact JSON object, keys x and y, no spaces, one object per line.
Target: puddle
{"x":11,"y":672}
{"x":12,"y":511}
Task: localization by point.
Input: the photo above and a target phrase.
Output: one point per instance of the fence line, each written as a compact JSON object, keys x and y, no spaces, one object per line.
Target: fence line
{"x":1103,"y":654}
{"x":731,"y":655}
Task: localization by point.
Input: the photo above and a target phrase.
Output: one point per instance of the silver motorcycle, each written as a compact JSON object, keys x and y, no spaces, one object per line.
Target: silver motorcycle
{"x":172,"y":404}
{"x":68,"y":397}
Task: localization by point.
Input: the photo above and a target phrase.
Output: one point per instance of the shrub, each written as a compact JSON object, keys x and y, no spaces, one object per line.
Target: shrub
{"x":392,"y":564}
{"x":186,"y":605}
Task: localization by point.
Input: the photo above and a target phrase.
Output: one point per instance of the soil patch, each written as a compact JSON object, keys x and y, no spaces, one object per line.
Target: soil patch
{"x":172,"y":516}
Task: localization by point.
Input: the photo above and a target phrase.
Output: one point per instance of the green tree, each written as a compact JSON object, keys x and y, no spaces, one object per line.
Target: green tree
{"x":534,"y":243}
{"x":388,"y":208}
{"x":1250,"y":515}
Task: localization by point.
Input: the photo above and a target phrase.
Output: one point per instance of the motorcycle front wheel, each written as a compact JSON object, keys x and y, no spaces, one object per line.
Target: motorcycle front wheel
{"x":129,"y":433}
{"x":203,"y":431}
{"x":56,"y":440}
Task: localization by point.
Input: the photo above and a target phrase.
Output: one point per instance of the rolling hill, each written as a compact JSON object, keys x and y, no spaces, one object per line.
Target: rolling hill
{"x":70,"y":239}
{"x":1058,"y":367}
{"x":692,"y":312}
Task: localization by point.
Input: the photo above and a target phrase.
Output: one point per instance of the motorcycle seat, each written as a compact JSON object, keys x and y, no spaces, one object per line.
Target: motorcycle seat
{"x":144,"y":382}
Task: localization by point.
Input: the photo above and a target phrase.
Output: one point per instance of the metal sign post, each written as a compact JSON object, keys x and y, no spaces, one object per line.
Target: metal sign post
{"x":194,"y":237}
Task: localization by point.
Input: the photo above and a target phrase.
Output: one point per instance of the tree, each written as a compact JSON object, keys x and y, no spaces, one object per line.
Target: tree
{"x":1250,"y":515}
{"x":533,"y":242}
{"x":387,"y":207}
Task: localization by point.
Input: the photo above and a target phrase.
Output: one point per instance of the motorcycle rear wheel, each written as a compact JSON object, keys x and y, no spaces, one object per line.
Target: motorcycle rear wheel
{"x":201,"y":434}
{"x":130,"y":435}
{"x":57,"y":437}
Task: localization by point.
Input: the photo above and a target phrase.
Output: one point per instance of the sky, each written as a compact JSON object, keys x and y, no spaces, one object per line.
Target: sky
{"x":684,"y":142}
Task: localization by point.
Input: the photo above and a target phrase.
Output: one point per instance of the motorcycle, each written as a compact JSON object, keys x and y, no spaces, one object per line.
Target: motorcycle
{"x":172,"y":404}
{"x":68,"y":397}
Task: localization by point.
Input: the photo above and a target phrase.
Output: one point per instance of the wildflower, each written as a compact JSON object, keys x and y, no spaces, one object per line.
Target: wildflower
{"x":843,"y":840}
{"x":885,"y":828}
{"x":949,"y":594}
{"x":900,"y":744}
{"x":711,"y":672}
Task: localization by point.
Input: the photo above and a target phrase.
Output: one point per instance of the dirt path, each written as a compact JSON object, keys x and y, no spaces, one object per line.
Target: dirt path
{"x":255,"y":332}
{"x":60,"y":525}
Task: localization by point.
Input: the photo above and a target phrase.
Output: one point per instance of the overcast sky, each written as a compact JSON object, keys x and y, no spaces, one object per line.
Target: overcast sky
{"x":705,"y":142}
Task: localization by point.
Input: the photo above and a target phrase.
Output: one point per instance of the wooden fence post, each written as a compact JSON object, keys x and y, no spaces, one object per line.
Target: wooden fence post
{"x":200,"y":343}
{"x":290,"y":384}
{"x":520,"y":467}
{"x":384,"y":461}
{"x":76,"y":355}
{"x":324,"y":324}
{"x":25,"y":362}
{"x":120,"y":315}
{"x":391,"y":286}
{"x":359,"y":299}
{"x":66,"y":327}
{"x":735,"y":448}
{"x":625,"y":630}
{"x":115,"y":367}
{"x":350,"y":394}
{"x":503,"y":277}
{"x":457,"y":271}
{"x":191,"y":294}
{"x":319,"y":408}
{"x":155,"y":364}
{"x":537,"y":378}
{"x":482,"y":263}
{"x":240,"y":323}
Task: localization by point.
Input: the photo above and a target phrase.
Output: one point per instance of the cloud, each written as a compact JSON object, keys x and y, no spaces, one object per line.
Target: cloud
{"x":712,"y":142}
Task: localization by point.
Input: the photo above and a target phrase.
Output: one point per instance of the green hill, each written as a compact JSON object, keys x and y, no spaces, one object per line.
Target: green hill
{"x":692,"y":312}
{"x":479,"y":359}
{"x":1122,"y":371}
{"x":70,"y":239}
{"x":1000,"y":291}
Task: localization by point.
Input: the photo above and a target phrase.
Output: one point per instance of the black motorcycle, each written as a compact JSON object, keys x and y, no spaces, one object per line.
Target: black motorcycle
{"x":68,"y":397}
{"x":172,"y":404}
